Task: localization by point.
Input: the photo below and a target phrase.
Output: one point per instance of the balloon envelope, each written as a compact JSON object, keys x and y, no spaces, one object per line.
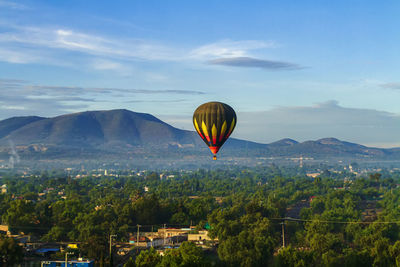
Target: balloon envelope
{"x":214,"y":122}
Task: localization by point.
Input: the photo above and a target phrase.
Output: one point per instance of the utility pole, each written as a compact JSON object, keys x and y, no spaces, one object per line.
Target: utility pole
{"x":165,"y":232}
{"x":66,"y":257}
{"x":283,"y":233}
{"x":152,"y":236}
{"x":111,"y":236}
{"x":138,"y":235}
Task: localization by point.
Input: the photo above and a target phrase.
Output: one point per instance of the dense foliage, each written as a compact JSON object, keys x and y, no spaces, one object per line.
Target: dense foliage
{"x":334,"y":219}
{"x":10,"y":252}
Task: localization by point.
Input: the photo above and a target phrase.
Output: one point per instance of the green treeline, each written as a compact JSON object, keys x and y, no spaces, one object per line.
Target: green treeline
{"x":244,"y":207}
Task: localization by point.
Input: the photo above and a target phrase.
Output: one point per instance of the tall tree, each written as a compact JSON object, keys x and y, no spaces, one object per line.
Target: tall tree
{"x":10,"y":252}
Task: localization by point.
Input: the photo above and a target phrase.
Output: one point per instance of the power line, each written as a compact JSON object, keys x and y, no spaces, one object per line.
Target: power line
{"x":333,"y":222}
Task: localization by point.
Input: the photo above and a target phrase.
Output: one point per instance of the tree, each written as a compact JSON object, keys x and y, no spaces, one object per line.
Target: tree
{"x":253,"y":246}
{"x":130,"y":263}
{"x":96,"y":247}
{"x":188,"y":254}
{"x":375,"y":177}
{"x":148,"y":258}
{"x":291,"y":257}
{"x":10,"y":251}
{"x":21,"y":215}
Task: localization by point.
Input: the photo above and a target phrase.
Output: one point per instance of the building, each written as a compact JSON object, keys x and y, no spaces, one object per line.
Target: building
{"x":46,"y":252}
{"x":72,"y":246}
{"x":199,"y":237}
{"x":170,"y":232}
{"x":313,"y":174}
{"x":4,"y":229}
{"x":149,"y":241}
{"x":143,"y":241}
{"x":4,"y":189}
{"x":70,"y":263}
{"x":162,"y":237}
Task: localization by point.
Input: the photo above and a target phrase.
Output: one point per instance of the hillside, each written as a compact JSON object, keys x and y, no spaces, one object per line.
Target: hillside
{"x":94,"y":128}
{"x":117,"y":132}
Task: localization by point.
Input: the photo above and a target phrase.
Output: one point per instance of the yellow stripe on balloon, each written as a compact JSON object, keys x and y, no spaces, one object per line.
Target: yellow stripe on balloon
{"x":214,"y":130}
{"x":205,"y":131}
{"x":232,"y":126}
{"x":223,"y":129}
{"x":196,"y":125}
{"x":214,"y":134}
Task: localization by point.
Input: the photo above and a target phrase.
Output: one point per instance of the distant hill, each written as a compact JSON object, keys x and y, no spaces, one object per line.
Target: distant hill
{"x":326,"y":147}
{"x":119,"y":131}
{"x":12,"y":124}
{"x":94,"y":128}
{"x":283,"y":143}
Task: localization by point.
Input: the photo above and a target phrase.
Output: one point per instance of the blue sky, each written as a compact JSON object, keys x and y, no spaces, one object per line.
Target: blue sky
{"x":298,"y":69}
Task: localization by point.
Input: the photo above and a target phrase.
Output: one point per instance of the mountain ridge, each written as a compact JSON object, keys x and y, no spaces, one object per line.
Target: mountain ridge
{"x":122,"y":130}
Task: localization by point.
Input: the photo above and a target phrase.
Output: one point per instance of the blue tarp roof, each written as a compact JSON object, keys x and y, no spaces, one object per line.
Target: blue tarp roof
{"x":44,"y":250}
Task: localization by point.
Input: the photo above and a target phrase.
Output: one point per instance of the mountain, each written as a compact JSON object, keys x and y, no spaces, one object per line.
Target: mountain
{"x":11,"y":124}
{"x":328,"y":147}
{"x":283,"y":143}
{"x":94,"y":128}
{"x":123,"y":132}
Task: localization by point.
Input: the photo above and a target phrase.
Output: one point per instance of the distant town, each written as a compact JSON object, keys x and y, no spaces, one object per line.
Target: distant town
{"x":109,"y":215}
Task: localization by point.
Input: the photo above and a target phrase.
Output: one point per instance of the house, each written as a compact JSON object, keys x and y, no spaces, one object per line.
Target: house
{"x":46,"y":252}
{"x":123,"y":251}
{"x":72,"y":246}
{"x":313,"y":174}
{"x":4,"y":189}
{"x":170,"y":232}
{"x":148,"y":242}
{"x":70,"y":263}
{"x":4,"y":229}
{"x":143,"y":241}
{"x":200,"y":237}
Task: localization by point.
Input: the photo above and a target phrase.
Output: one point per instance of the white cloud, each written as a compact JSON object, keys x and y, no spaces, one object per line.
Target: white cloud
{"x":41,"y":44}
{"x":17,"y":57}
{"x":229,"y":48}
{"x":66,"y":39}
{"x":248,"y":62}
{"x":21,"y":98}
{"x":13,"y":107}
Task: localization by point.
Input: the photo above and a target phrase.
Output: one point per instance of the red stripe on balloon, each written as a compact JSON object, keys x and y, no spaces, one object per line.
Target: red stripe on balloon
{"x":214,"y":149}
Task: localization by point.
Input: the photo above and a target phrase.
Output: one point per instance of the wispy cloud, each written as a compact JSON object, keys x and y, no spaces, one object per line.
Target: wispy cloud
{"x":66,"y":39}
{"x":20,"y":97}
{"x":13,"y":55}
{"x":66,"y":47}
{"x":72,"y":90}
{"x":229,"y":48}
{"x":248,"y":62}
{"x":42,"y":89}
{"x":156,"y":101}
{"x":30,"y":44}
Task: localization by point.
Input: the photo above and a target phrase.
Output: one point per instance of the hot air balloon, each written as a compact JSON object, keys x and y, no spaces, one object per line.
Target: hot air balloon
{"x":214,"y":122}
